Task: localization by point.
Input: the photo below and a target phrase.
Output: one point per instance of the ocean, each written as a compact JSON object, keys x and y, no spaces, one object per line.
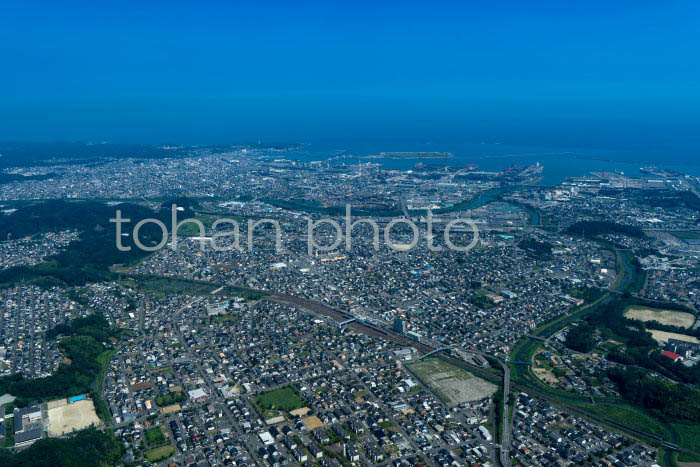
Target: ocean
{"x":559,"y":162}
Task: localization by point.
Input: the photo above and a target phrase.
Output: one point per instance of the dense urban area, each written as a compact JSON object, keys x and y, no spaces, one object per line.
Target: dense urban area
{"x":568,"y":334}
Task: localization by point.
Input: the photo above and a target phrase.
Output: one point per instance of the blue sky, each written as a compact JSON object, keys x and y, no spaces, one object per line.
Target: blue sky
{"x":86,"y":70}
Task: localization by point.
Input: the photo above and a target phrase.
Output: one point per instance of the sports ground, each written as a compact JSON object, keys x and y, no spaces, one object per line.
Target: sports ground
{"x":65,"y":418}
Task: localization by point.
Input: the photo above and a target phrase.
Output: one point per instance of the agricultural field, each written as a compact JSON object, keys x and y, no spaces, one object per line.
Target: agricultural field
{"x":669,"y":317}
{"x":451,"y":384}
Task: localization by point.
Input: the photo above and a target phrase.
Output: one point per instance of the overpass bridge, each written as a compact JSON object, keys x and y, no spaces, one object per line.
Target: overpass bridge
{"x":347,"y":321}
{"x":432,"y":352}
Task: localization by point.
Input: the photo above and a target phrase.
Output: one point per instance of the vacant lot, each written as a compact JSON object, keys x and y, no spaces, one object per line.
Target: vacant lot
{"x":300,"y":412}
{"x":312,"y":422}
{"x":672,"y":318}
{"x":286,"y":398}
{"x":71,"y":417}
{"x":452,"y":384}
{"x":663,"y":336}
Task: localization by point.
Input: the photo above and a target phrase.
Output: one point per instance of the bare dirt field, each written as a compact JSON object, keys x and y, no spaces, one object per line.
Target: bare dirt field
{"x":663,"y":336}
{"x":64,"y":418}
{"x":450,"y":383}
{"x":312,"y":422}
{"x":545,"y":375}
{"x":300,"y":411}
{"x":673,"y":318}
{"x":56,"y":403}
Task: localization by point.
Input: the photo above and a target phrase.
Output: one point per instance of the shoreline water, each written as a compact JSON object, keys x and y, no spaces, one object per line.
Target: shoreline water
{"x":559,"y":163}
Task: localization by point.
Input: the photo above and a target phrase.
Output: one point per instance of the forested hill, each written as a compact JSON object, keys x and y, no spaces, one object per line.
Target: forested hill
{"x":667,"y":199}
{"x":596,"y":228}
{"x":87,"y":448}
{"x":53,"y":215}
{"x":9,"y":178}
{"x":89,"y":258}
{"x":22,"y":154}
{"x":84,"y":342}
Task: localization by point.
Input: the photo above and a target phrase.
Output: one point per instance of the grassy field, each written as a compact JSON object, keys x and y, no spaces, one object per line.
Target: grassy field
{"x":159,"y":454}
{"x":268,"y":414}
{"x":286,"y":398}
{"x":226,"y":318}
{"x":661,"y":457}
{"x":629,"y":415}
{"x":173,"y":285}
{"x":630,"y":277}
{"x":689,"y":438}
{"x":428,"y":367}
{"x":155,"y":437}
{"x":169,"y":285}
{"x":191,"y":229}
{"x":163,"y":370}
{"x":10,"y":432}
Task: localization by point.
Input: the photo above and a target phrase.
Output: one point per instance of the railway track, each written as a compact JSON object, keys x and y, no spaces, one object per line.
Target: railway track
{"x":381,"y":333}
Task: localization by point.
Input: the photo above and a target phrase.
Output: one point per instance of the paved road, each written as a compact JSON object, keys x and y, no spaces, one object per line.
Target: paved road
{"x":213,"y":394}
{"x":317,"y":308}
{"x":506,"y":426}
{"x":372,"y":330}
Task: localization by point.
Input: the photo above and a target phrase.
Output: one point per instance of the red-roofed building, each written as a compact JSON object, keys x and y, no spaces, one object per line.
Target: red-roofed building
{"x":672,"y":355}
